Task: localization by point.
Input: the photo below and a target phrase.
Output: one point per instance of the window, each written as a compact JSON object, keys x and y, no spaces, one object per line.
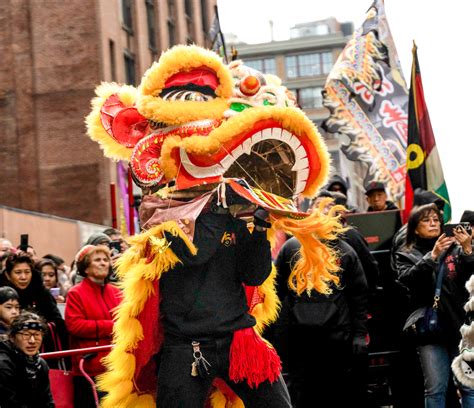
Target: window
{"x":171,"y":22}
{"x":309,"y":98}
{"x":127,"y":15}
{"x":188,"y":11}
{"x":304,"y":65}
{"x":205,"y":26}
{"x":150,"y":17}
{"x":291,"y":67}
{"x":308,"y":65}
{"x":322,"y":29}
{"x":113,"y":67}
{"x":188,"y":8}
{"x":327,"y":62}
{"x":171,"y":31}
{"x":265,"y":65}
{"x":129,"y":60}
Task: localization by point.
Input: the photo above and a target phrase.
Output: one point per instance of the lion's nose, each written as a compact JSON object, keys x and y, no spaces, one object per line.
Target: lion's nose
{"x":250,"y":85}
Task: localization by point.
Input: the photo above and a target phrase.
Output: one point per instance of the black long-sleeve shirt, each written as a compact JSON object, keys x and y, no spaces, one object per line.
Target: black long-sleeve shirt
{"x":204,"y":296}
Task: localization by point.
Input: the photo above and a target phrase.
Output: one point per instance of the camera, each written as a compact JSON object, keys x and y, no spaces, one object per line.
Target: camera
{"x":115,"y":247}
{"x":449,"y":228}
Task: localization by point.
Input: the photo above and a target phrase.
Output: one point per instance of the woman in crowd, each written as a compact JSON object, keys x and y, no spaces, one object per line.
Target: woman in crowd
{"x":418,"y":264}
{"x":49,"y":273}
{"x":89,"y":309}
{"x":24,"y":378}
{"x":20,"y":275}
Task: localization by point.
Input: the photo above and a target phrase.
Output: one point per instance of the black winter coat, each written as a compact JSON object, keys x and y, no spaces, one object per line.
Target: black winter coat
{"x":344,"y":311}
{"x":370,"y":266}
{"x":17,"y":389}
{"x":417,"y":271}
{"x":38,"y":299}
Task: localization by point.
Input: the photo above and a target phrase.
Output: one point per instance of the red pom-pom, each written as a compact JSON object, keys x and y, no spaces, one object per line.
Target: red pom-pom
{"x":252,"y":359}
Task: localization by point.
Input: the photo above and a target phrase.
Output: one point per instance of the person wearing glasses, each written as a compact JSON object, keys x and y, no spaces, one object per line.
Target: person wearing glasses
{"x":24,"y":378}
{"x":418,"y":263}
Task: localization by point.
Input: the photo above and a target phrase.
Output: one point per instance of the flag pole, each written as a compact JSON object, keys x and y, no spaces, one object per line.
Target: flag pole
{"x":131,"y":208}
{"x":113,"y":205}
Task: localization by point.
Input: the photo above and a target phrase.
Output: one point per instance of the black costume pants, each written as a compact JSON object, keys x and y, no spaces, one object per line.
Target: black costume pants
{"x":320,"y":369}
{"x":178,"y":389}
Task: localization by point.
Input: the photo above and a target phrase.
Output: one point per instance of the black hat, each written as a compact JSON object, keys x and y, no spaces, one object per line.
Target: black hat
{"x":468,"y":216}
{"x":422,"y":197}
{"x":374,"y":186}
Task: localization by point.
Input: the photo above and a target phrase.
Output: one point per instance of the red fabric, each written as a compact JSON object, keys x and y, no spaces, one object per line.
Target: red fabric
{"x":145,"y":371}
{"x":409,"y":195}
{"x":62,"y":388}
{"x":89,"y":321}
{"x":198,"y":76}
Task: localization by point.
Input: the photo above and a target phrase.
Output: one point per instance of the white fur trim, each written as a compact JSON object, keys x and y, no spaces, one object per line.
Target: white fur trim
{"x":469,"y":306}
{"x":467,"y":333}
{"x":470,"y":285}
{"x":467,"y":355}
{"x":463,"y":372}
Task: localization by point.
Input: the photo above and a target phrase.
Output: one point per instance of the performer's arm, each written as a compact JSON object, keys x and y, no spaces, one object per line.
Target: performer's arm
{"x":254,"y":256}
{"x":207,"y":238}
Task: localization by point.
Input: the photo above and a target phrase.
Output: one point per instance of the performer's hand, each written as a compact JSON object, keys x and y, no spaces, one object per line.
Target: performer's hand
{"x":359,"y":346}
{"x":261,"y":219}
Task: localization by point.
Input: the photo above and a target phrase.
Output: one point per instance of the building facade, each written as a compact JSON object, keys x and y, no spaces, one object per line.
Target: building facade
{"x":303,"y":62}
{"x":54,"y":54}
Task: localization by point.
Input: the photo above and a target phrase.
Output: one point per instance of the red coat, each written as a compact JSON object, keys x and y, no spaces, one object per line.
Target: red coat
{"x":89,"y":321}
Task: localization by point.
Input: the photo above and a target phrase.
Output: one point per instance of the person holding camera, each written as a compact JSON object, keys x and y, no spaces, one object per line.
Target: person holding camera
{"x":49,"y":273}
{"x":427,"y":253}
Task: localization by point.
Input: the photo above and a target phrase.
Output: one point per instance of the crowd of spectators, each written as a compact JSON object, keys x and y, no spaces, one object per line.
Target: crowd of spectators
{"x":336,"y":328}
{"x":32,"y":290}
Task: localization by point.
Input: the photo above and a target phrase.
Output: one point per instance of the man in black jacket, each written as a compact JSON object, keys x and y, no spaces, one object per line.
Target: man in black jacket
{"x":325,"y":332}
{"x":204,"y":304}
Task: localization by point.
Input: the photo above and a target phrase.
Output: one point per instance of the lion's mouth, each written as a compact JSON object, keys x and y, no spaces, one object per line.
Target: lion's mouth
{"x":272,"y":159}
{"x":267,"y":155}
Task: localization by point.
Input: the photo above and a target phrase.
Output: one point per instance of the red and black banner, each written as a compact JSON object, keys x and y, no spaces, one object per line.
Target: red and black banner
{"x":423,"y":164}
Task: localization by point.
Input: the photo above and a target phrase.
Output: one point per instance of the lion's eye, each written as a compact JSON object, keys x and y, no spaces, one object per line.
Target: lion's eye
{"x":183,"y":95}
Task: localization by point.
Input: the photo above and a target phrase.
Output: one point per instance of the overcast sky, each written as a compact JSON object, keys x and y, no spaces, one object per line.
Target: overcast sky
{"x":443,"y":32}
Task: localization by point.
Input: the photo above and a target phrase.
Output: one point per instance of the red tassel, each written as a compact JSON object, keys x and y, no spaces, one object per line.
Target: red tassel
{"x":252,"y":359}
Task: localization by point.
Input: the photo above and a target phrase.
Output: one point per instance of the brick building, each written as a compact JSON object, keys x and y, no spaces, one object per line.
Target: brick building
{"x":54,"y":53}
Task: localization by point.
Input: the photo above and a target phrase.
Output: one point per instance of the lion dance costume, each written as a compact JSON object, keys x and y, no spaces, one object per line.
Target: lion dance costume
{"x":199,"y":134}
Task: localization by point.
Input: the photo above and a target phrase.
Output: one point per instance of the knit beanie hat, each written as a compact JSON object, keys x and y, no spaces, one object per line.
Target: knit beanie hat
{"x":463,"y":364}
{"x":81,"y":256}
{"x":98,"y":238}
{"x":7,"y":293}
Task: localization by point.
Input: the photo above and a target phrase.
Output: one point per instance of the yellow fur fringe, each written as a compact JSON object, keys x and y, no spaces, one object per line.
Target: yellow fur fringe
{"x":185,"y":58}
{"x":137,"y":282}
{"x":95,"y":130}
{"x":318,"y":265}
{"x":178,"y":112}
